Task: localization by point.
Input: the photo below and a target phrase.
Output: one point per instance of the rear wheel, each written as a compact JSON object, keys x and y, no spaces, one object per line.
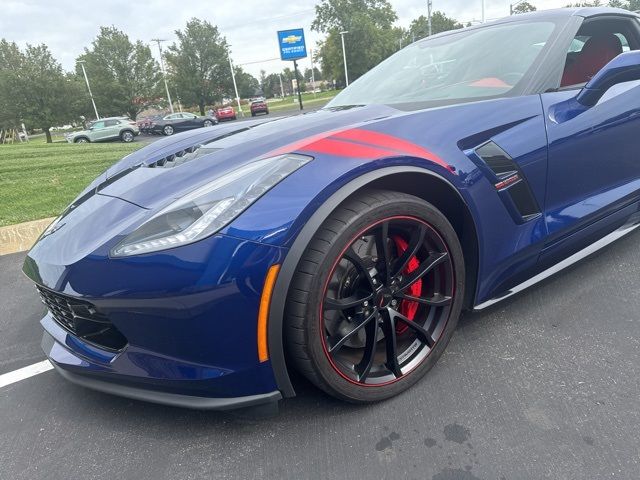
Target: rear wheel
{"x":376,"y":297}
{"x":167,"y":130}
{"x":207,"y":123}
{"x":127,"y":136}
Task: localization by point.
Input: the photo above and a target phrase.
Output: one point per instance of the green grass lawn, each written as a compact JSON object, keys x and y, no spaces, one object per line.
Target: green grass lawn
{"x":309,"y":100}
{"x":38,"y":180}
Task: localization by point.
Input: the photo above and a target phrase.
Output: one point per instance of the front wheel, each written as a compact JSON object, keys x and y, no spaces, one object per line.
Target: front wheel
{"x":207,"y":123}
{"x":376,"y":297}
{"x":167,"y":130}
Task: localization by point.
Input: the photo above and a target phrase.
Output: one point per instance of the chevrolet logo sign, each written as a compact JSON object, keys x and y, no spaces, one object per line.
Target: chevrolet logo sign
{"x":291,"y":39}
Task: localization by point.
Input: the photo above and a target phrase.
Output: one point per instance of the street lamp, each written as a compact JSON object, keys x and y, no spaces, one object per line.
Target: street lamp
{"x":235,"y":86}
{"x":429,"y":7}
{"x":164,"y":74}
{"x":86,"y":79}
{"x":344,"y":57}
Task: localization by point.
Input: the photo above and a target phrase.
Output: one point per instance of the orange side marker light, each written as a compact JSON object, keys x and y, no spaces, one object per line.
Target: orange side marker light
{"x":263,"y":313}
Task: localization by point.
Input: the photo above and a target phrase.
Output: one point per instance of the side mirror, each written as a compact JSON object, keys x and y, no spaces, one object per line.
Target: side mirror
{"x":624,"y":68}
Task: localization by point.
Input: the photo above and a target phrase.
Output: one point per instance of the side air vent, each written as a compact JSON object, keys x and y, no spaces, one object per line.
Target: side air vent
{"x":510,"y":182}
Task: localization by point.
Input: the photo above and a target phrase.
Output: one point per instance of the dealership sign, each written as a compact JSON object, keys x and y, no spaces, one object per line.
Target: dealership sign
{"x":291,"y":44}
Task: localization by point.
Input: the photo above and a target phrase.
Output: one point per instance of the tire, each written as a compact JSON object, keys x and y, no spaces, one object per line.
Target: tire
{"x":127,"y":136}
{"x":253,"y":114}
{"x":167,"y":130}
{"x":81,"y":140}
{"x":310,"y":314}
{"x":207,"y":123}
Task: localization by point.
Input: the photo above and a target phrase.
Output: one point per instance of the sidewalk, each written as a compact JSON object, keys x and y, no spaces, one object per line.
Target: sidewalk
{"x":21,"y":237}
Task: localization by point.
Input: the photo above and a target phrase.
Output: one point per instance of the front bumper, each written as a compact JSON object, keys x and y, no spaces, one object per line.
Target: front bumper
{"x":56,"y":353}
{"x":188,"y":315}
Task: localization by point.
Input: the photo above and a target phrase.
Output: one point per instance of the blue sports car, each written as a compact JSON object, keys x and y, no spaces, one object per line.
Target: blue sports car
{"x":344,"y":243}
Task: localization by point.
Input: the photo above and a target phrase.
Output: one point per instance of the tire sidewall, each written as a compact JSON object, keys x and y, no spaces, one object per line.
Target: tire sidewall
{"x":168,"y":130}
{"x":409,"y":207}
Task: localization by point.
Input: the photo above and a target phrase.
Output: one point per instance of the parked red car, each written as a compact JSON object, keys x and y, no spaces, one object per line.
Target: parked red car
{"x":259,"y":106}
{"x":226,"y":113}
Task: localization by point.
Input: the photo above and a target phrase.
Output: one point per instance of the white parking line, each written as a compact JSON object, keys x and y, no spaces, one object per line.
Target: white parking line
{"x":24,"y":373}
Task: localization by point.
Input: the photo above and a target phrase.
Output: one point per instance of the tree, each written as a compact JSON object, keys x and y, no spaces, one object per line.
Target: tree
{"x":523,"y":7}
{"x":199,"y":64}
{"x":35,"y":90}
{"x":317,"y":74}
{"x":248,"y":85}
{"x":592,"y":3}
{"x":370,"y":40}
{"x":419,"y":27}
{"x":271,"y":85}
{"x":124,"y":76}
{"x":633,"y":5}
{"x":11,"y":58}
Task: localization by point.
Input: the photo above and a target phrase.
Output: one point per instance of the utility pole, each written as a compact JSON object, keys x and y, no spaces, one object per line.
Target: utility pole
{"x":86,"y":79}
{"x":313,"y":78}
{"x":344,"y":57}
{"x":164,"y":74}
{"x":235,"y":86}
{"x":429,"y":8}
{"x":281,"y":87}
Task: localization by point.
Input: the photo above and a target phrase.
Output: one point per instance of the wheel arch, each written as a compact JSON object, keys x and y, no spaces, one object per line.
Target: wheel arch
{"x":420,"y":182}
{"x":77,"y":139}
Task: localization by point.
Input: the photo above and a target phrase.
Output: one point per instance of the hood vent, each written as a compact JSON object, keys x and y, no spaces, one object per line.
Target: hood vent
{"x":182,"y":156}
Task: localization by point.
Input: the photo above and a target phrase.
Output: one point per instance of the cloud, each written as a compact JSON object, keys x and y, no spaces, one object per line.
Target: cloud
{"x":68,"y":26}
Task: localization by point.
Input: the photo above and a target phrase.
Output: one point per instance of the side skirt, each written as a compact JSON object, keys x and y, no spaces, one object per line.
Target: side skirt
{"x":576,"y":257}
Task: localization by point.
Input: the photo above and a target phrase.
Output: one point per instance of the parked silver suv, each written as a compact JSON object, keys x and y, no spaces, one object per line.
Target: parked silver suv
{"x":105,"y":129}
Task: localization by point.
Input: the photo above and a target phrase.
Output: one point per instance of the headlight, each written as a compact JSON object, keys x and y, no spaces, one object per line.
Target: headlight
{"x":210,"y":208}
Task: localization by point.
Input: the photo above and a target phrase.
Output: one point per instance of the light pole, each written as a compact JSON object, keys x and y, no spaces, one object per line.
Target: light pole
{"x":164,"y":74}
{"x":429,"y":8}
{"x":344,"y":57}
{"x":86,"y":79}
{"x":313,"y":78}
{"x":235,"y":86}
{"x":281,"y":87}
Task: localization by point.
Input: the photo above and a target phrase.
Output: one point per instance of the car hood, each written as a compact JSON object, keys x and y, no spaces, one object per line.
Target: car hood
{"x":148,"y":178}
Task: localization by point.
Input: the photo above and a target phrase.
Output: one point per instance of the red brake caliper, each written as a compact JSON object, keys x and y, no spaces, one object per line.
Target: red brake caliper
{"x":407,"y":307}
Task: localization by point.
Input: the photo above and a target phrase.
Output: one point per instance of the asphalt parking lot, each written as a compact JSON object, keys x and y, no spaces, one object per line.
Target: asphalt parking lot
{"x":543,"y":386}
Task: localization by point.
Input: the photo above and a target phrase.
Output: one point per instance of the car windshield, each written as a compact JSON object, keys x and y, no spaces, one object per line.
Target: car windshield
{"x":466,"y":65}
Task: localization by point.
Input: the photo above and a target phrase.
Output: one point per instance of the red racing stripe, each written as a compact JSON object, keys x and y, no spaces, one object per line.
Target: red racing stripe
{"x":394,"y":143}
{"x":333,"y":146}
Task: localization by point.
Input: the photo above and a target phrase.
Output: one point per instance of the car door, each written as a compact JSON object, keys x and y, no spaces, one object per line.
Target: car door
{"x":98,"y":131}
{"x":191,"y":121}
{"x":111,"y":130}
{"x":593,"y":164}
{"x":180,"y":123}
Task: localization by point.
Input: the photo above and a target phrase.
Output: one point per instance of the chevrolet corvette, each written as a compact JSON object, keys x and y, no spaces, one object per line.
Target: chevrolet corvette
{"x":344,"y":243}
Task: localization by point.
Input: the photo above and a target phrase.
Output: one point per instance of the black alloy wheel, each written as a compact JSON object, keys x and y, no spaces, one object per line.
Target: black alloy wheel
{"x":376,"y":297}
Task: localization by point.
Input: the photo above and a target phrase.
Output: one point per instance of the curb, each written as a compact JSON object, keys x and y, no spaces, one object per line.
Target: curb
{"x":21,"y":237}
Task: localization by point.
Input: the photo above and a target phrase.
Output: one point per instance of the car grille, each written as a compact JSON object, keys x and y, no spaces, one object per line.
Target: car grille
{"x":83,"y":320}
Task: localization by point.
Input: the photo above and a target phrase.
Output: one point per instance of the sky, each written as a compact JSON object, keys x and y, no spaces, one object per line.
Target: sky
{"x":67,"y":26}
